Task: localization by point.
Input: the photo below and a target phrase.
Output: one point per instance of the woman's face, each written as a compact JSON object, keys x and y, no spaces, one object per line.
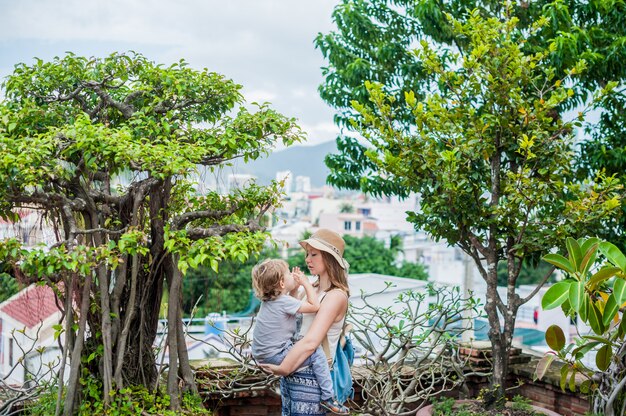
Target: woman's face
{"x":315,"y":261}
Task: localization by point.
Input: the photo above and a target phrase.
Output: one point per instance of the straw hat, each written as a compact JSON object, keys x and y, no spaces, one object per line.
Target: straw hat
{"x":330,"y":242}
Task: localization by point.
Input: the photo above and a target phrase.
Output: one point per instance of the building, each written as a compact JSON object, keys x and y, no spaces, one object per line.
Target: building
{"x":30,"y":229}
{"x":238,"y":181}
{"x":27,"y":335}
{"x":303,"y":184}
{"x":346,"y":223}
{"x":286,"y":177}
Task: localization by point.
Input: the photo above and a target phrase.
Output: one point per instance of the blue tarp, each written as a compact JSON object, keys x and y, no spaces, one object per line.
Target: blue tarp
{"x":529,"y":336}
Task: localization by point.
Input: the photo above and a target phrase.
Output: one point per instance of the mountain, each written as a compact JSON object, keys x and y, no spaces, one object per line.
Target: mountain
{"x":300,"y":160}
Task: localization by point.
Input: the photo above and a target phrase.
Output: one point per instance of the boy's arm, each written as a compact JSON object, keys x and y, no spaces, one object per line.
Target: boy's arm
{"x":312,"y":303}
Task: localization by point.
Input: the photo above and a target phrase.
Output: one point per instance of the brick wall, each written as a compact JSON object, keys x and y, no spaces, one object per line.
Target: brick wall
{"x":547,"y":392}
{"x":544,"y":393}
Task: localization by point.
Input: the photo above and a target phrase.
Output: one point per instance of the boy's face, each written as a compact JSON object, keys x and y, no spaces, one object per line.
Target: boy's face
{"x":289,"y":283}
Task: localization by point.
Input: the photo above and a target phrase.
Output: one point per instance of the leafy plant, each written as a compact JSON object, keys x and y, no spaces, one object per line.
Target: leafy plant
{"x":411,"y":347}
{"x":129,"y":401}
{"x":594,"y":291}
{"x":521,"y":403}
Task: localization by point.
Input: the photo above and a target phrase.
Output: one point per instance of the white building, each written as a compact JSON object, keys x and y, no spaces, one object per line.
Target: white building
{"x":26,"y":325}
{"x":390,"y":213}
{"x":286,"y":177}
{"x":239,"y":180}
{"x":288,"y":234}
{"x":31,"y":229}
{"x":303,"y":184}
{"x":346,"y":223}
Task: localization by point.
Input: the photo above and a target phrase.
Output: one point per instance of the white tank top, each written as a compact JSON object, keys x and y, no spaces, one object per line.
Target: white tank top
{"x":334,"y":332}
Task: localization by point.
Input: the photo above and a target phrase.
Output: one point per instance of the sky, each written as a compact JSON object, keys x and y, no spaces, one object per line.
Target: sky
{"x":264,"y":45}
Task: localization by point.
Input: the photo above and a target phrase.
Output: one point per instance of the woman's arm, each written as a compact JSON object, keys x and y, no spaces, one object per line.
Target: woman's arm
{"x":333,"y":307}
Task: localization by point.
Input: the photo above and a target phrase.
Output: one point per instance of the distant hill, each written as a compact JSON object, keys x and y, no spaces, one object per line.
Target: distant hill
{"x":300,"y":160}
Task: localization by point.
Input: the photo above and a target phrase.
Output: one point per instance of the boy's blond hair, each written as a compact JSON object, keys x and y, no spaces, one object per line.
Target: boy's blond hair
{"x":266,"y":278}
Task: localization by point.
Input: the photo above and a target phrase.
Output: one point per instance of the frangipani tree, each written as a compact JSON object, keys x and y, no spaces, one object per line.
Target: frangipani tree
{"x":70,"y":129}
{"x":488,"y":154}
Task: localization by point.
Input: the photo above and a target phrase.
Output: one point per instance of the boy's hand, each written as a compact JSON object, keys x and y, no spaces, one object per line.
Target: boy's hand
{"x":298,"y":276}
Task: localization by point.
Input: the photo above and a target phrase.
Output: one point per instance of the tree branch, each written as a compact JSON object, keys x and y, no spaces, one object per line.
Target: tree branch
{"x":183,"y":219}
{"x":221,"y":230}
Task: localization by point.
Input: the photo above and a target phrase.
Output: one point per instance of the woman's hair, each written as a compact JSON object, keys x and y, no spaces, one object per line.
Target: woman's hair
{"x":266,"y":278}
{"x":337,"y":275}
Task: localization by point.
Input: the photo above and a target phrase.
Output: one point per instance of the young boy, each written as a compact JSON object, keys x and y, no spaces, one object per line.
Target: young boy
{"x":275,"y":329}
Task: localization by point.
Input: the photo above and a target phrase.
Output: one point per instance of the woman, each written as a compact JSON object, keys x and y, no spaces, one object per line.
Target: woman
{"x":299,"y":391}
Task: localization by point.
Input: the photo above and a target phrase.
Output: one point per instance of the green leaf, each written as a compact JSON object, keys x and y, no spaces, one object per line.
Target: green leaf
{"x":595,"y":319}
{"x":589,"y":257}
{"x":587,"y":245}
{"x":576,"y":293}
{"x":585,"y":386}
{"x":564,"y":371}
{"x":613,"y":254}
{"x":580,"y":352}
{"x":555,"y":337}
{"x":619,"y":290}
{"x":621,"y":329}
{"x":574,"y":251}
{"x":560,"y":262}
{"x":603,"y":357}
{"x":214,"y":264}
{"x":556,"y":295}
{"x":572,"y":381}
{"x":543,"y":365}
{"x":597,"y":338}
{"x":610,"y":309}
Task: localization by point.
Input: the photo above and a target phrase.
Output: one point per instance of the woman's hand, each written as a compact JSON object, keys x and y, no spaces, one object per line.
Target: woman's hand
{"x":273,"y":369}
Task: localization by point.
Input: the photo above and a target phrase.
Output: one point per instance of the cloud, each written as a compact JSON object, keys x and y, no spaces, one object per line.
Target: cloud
{"x":267,"y":46}
{"x":320,"y":132}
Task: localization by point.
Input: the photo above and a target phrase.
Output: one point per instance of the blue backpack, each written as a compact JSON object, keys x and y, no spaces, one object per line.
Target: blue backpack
{"x":340,"y":371}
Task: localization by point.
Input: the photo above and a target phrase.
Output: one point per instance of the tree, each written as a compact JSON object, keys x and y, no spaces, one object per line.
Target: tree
{"x":484,"y":147}
{"x":374,"y":41}
{"x":109,"y":150}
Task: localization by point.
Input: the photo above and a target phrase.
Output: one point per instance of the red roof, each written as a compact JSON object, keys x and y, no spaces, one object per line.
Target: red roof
{"x":32,"y":306}
{"x":21,"y":213}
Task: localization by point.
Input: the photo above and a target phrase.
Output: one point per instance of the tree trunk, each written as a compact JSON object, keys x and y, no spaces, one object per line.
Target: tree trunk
{"x":173,"y":329}
{"x":499,"y":347}
{"x":139,"y":363}
{"x":185,"y":371}
{"x":72,"y":384}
